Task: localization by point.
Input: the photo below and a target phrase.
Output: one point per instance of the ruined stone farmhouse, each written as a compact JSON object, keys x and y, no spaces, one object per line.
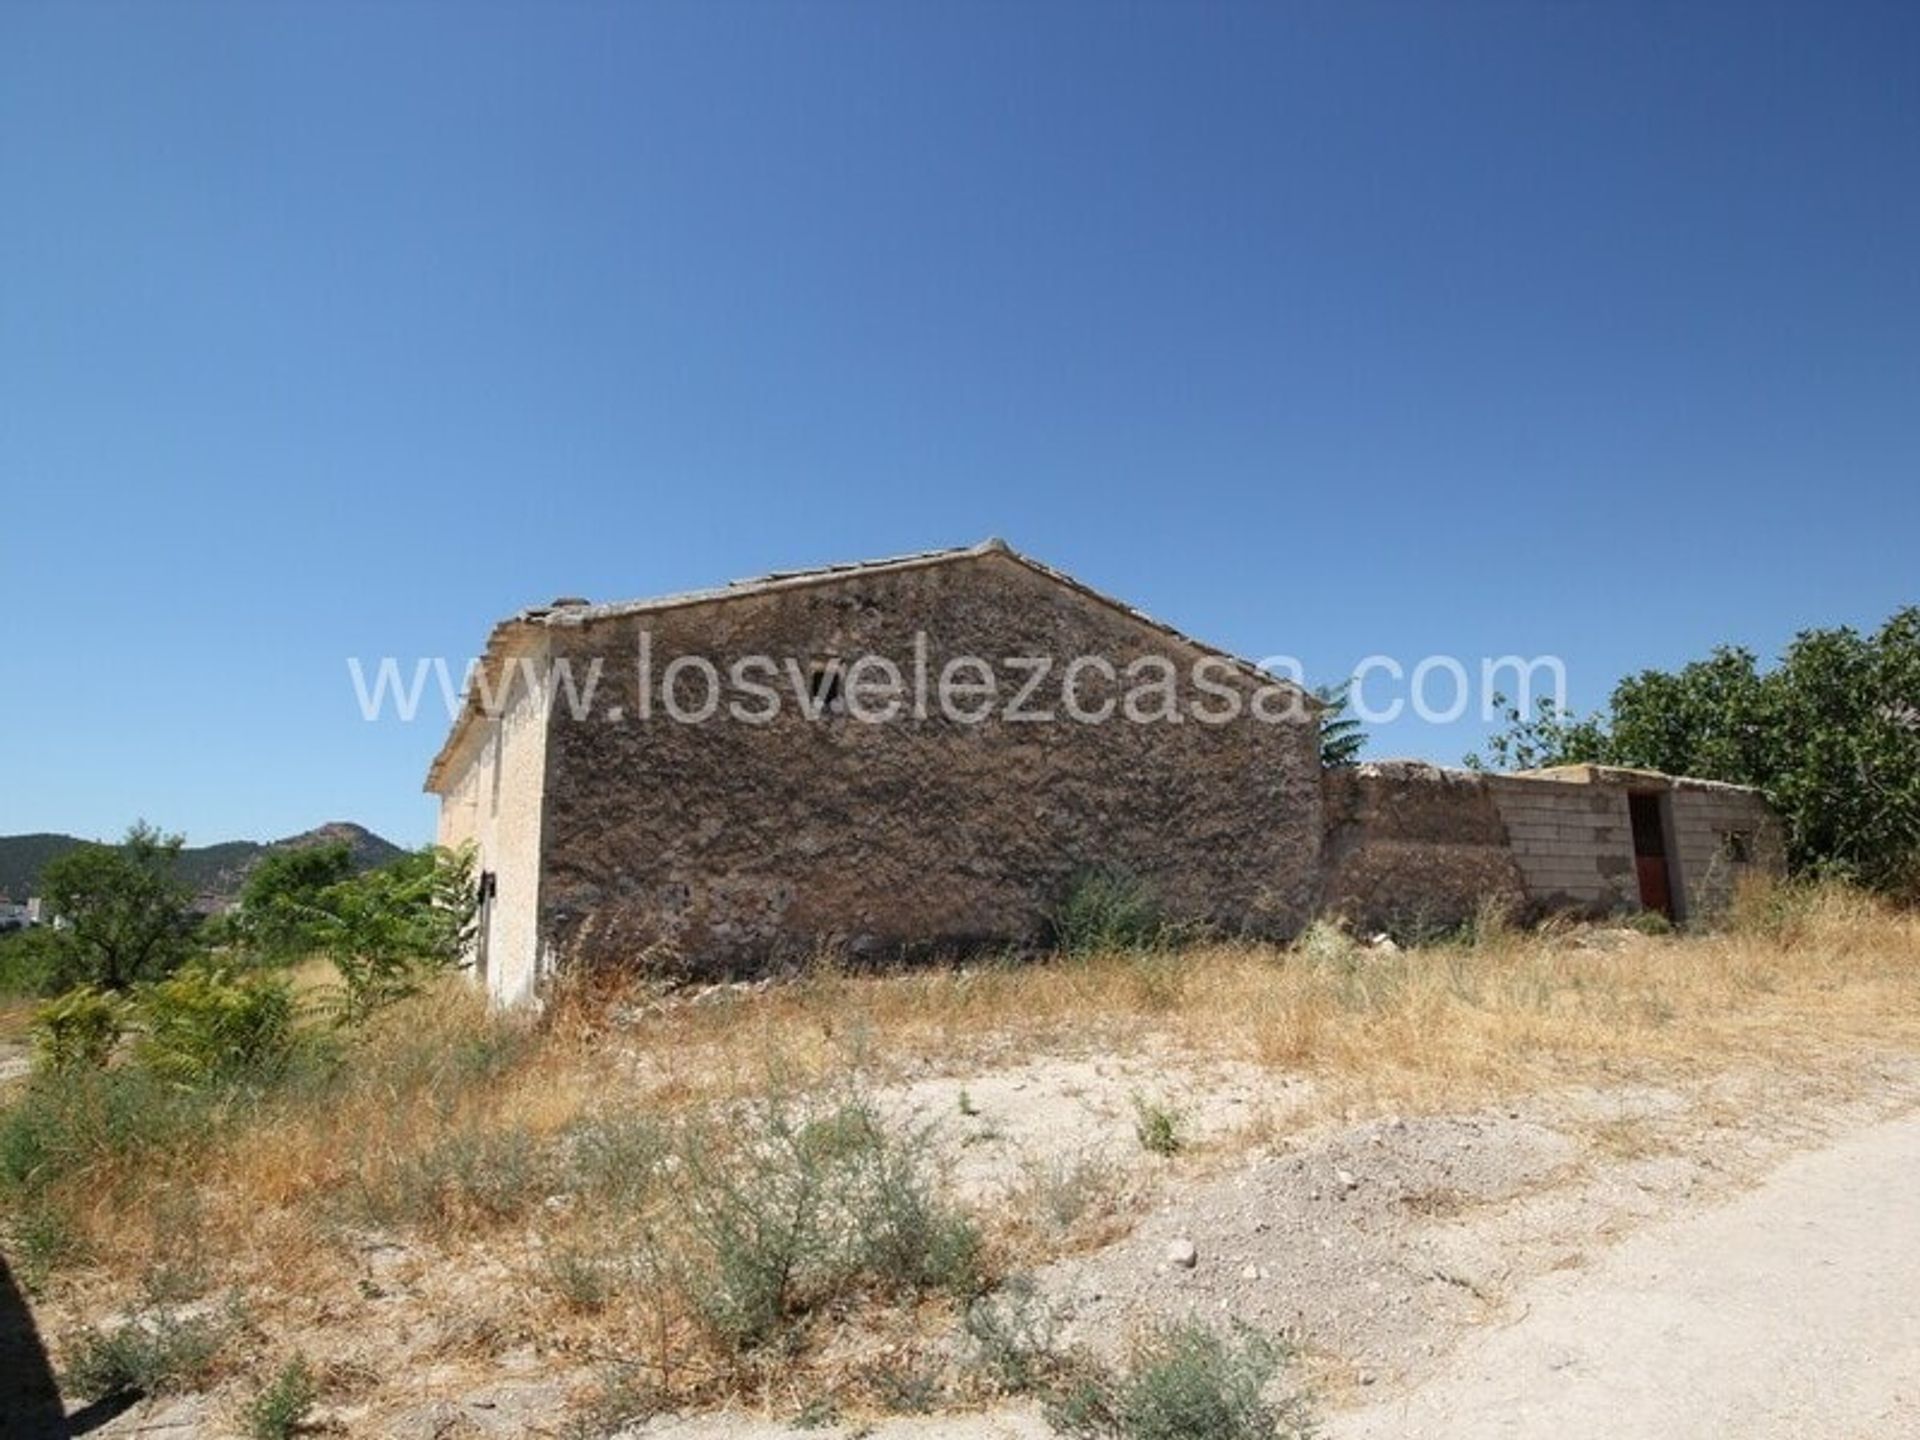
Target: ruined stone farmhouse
{"x":916,"y":757}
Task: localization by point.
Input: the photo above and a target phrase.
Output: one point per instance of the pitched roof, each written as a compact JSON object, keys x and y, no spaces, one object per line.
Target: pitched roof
{"x":572,"y":613}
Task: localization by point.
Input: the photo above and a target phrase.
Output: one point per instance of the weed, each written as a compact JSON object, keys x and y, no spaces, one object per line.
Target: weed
{"x":1106,"y":911}
{"x":468,"y":1177}
{"x":809,"y":1199}
{"x":583,"y":1279}
{"x":282,"y":1407}
{"x":818,"y":1413}
{"x":1060,"y":1194}
{"x":41,"y":1240}
{"x":156,"y":1354}
{"x":1158,"y":1126}
{"x":207,"y":1023}
{"x":78,"y":1030}
{"x":616,"y":1158}
{"x":1185,"y":1382}
{"x":1010,"y":1339}
{"x":621,"y":1396}
{"x":1650,"y":922}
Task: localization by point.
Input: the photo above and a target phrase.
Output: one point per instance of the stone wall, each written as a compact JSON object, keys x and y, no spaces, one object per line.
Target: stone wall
{"x":728,"y":847}
{"x":1412,"y":848}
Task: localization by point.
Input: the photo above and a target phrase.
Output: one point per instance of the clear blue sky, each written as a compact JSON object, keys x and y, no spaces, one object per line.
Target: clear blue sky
{"x":1329,"y":329}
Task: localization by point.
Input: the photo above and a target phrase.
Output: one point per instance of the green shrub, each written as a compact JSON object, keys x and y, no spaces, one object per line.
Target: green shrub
{"x":802,"y":1201}
{"x":33,"y":962}
{"x":1185,"y":1382}
{"x":1009,"y":1339}
{"x":1650,"y":922}
{"x":208,"y":1023}
{"x":151,"y":1355}
{"x":1158,"y":1126}
{"x":78,"y":1030}
{"x":1106,"y":911}
{"x":280,"y":1409}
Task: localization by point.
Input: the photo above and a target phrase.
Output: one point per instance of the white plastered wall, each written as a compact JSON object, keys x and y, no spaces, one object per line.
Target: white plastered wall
{"x":496,"y":802}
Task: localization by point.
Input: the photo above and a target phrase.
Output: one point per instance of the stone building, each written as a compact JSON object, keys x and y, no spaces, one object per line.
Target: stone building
{"x":620,"y":819}
{"x":915,"y":757}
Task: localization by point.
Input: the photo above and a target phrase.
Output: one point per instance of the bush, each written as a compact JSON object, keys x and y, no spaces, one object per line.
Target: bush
{"x":279,"y":1410}
{"x":154,"y":1355}
{"x":208,"y":1023}
{"x":1105,"y":911}
{"x":1010,"y":1339}
{"x":33,"y":962}
{"x":77,"y":1031}
{"x":1650,"y":922}
{"x":1185,"y":1382}
{"x":805,"y":1201}
{"x":277,"y":911}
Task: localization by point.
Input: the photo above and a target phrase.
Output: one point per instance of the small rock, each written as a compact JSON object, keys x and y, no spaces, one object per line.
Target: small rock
{"x":1250,"y":1272}
{"x":1346,"y":1179}
{"x":1183,"y":1253}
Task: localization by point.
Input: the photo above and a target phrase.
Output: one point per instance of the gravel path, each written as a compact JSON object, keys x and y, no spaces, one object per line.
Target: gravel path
{"x":1793,"y":1311}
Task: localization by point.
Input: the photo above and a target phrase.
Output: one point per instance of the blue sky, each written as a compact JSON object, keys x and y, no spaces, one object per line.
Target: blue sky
{"x":1332,"y":330}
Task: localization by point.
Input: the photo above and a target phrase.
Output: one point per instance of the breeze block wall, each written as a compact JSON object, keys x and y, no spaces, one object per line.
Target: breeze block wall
{"x":727,"y":848}
{"x":1573,"y":843}
{"x":1722,"y":833}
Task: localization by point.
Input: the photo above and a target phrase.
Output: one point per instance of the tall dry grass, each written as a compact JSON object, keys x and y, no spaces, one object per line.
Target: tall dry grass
{"x":546,"y":1156}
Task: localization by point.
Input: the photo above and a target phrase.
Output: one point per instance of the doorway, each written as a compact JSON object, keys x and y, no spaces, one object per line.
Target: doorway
{"x":1647,"y":813}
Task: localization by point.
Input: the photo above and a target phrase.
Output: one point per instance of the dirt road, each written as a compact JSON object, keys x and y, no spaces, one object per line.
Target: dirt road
{"x":1792,"y":1311}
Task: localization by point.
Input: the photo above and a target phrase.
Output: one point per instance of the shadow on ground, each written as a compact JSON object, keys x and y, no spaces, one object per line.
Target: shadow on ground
{"x":30,"y":1406}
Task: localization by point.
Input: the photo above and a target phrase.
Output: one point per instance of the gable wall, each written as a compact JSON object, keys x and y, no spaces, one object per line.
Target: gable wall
{"x":727,"y":847}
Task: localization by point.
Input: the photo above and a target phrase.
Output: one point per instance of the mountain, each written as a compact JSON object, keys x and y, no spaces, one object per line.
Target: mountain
{"x":214,"y":871}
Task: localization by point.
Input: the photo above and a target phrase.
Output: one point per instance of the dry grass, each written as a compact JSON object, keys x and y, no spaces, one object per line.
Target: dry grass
{"x":520,"y":1168}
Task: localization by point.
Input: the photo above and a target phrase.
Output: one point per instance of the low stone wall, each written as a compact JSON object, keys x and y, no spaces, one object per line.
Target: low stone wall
{"x":1411,"y":848}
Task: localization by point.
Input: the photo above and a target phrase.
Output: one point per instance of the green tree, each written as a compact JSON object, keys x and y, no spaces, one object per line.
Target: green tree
{"x":123,"y":910}
{"x":1831,"y":734}
{"x":1341,"y":736}
{"x":279,"y":899}
{"x":390,"y":929}
{"x":1550,"y":736}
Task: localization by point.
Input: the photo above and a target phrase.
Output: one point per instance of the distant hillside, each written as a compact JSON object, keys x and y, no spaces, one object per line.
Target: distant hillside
{"x":217,"y":870}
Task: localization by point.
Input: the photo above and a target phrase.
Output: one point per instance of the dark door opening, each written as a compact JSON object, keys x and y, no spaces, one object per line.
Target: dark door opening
{"x":483,"y":925}
{"x":1650,"y":853}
